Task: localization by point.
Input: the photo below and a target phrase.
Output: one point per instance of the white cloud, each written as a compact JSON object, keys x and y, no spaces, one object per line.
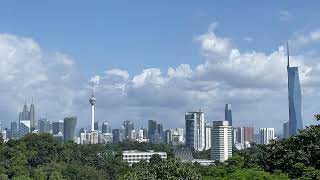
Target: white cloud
{"x":254,"y":82}
{"x":305,"y":38}
{"x":27,"y":71}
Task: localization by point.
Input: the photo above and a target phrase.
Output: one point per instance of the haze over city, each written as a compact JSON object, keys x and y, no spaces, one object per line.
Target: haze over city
{"x":150,"y":61}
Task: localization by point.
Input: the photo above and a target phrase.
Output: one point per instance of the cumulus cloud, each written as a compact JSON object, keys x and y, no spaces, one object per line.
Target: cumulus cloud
{"x":306,"y":38}
{"x":255,"y":82}
{"x":27,"y":71}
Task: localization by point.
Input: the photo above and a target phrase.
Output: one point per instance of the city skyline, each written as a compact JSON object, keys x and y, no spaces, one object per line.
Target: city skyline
{"x":202,"y":61}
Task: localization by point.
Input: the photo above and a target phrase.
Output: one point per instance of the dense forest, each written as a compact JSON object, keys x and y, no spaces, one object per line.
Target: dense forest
{"x":40,"y":157}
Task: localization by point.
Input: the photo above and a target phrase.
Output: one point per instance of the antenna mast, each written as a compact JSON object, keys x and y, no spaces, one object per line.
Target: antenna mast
{"x":288,"y":64}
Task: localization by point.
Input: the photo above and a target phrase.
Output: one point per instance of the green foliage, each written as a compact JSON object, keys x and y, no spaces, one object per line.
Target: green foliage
{"x":167,"y":169}
{"x":293,"y":156}
{"x":41,"y":157}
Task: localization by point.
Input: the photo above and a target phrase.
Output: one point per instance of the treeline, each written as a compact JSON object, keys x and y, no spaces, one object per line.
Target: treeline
{"x":40,"y":157}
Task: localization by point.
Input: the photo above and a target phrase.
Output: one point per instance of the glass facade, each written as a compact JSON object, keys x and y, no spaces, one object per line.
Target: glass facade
{"x":294,"y":96}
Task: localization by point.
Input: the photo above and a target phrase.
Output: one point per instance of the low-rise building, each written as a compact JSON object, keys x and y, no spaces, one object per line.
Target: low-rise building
{"x":135,"y":156}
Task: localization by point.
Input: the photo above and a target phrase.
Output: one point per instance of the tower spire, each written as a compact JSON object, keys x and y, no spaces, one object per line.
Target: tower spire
{"x":288,"y":64}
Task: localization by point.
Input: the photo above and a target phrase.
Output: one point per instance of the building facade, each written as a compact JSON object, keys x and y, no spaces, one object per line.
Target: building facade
{"x":221,"y":145}
{"x":228,"y":114}
{"x":266,"y":135}
{"x":137,"y":156}
{"x":195,"y":130}
{"x":294,"y":98}
{"x":69,"y":128}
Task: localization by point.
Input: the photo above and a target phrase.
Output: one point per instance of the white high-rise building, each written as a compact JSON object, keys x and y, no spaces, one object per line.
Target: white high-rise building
{"x":221,"y":141}
{"x":208,"y":136}
{"x":195,"y":130}
{"x":266,"y":134}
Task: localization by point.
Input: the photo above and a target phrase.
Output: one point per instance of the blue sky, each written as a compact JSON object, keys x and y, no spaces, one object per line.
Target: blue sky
{"x":159,"y":59}
{"x":142,"y":34}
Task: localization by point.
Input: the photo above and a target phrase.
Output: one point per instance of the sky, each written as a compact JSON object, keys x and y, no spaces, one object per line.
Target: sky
{"x":158,"y":60}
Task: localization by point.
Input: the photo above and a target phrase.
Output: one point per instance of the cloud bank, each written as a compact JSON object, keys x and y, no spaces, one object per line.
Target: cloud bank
{"x":255,"y":83}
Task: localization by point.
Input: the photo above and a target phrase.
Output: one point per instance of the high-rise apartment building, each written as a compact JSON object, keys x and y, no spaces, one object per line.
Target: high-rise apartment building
{"x":294,"y":97}
{"x":69,"y":128}
{"x":195,"y":130}
{"x":266,"y":134}
{"x":221,"y":144}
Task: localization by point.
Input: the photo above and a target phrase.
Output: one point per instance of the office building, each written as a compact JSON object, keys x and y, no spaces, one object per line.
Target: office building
{"x":57,"y":127}
{"x":96,"y":126}
{"x":135,"y":156}
{"x":221,"y":144}
{"x":285,"y":129}
{"x":116,"y":135}
{"x":106,"y":127}
{"x":105,"y":138}
{"x":69,"y":128}
{"x":43,"y":125}
{"x":228,"y":114}
{"x":294,"y":98}
{"x":195,"y":130}
{"x":128,"y":128}
{"x":14,"y":130}
{"x":153,"y":132}
{"x":24,"y":128}
{"x":208,"y":136}
{"x":266,"y":135}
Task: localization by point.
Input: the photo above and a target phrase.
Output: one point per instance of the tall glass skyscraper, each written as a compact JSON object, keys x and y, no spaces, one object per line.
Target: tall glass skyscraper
{"x":228,"y":114}
{"x":294,"y":97}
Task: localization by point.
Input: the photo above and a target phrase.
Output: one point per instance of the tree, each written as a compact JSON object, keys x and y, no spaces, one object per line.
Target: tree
{"x":155,"y":159}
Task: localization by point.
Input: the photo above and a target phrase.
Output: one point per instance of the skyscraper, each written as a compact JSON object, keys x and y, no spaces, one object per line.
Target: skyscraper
{"x":96,"y":126}
{"x":32,"y":116}
{"x":128,"y":128}
{"x":152,"y":128}
{"x":106,"y":127}
{"x":228,"y":114}
{"x":116,"y":135}
{"x":57,"y":127}
{"x":69,"y":128}
{"x":195,"y":130}
{"x":221,"y":144}
{"x":43,"y":125}
{"x":266,"y":134}
{"x":24,"y":128}
{"x":294,"y":97}
{"x":14,"y":130}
